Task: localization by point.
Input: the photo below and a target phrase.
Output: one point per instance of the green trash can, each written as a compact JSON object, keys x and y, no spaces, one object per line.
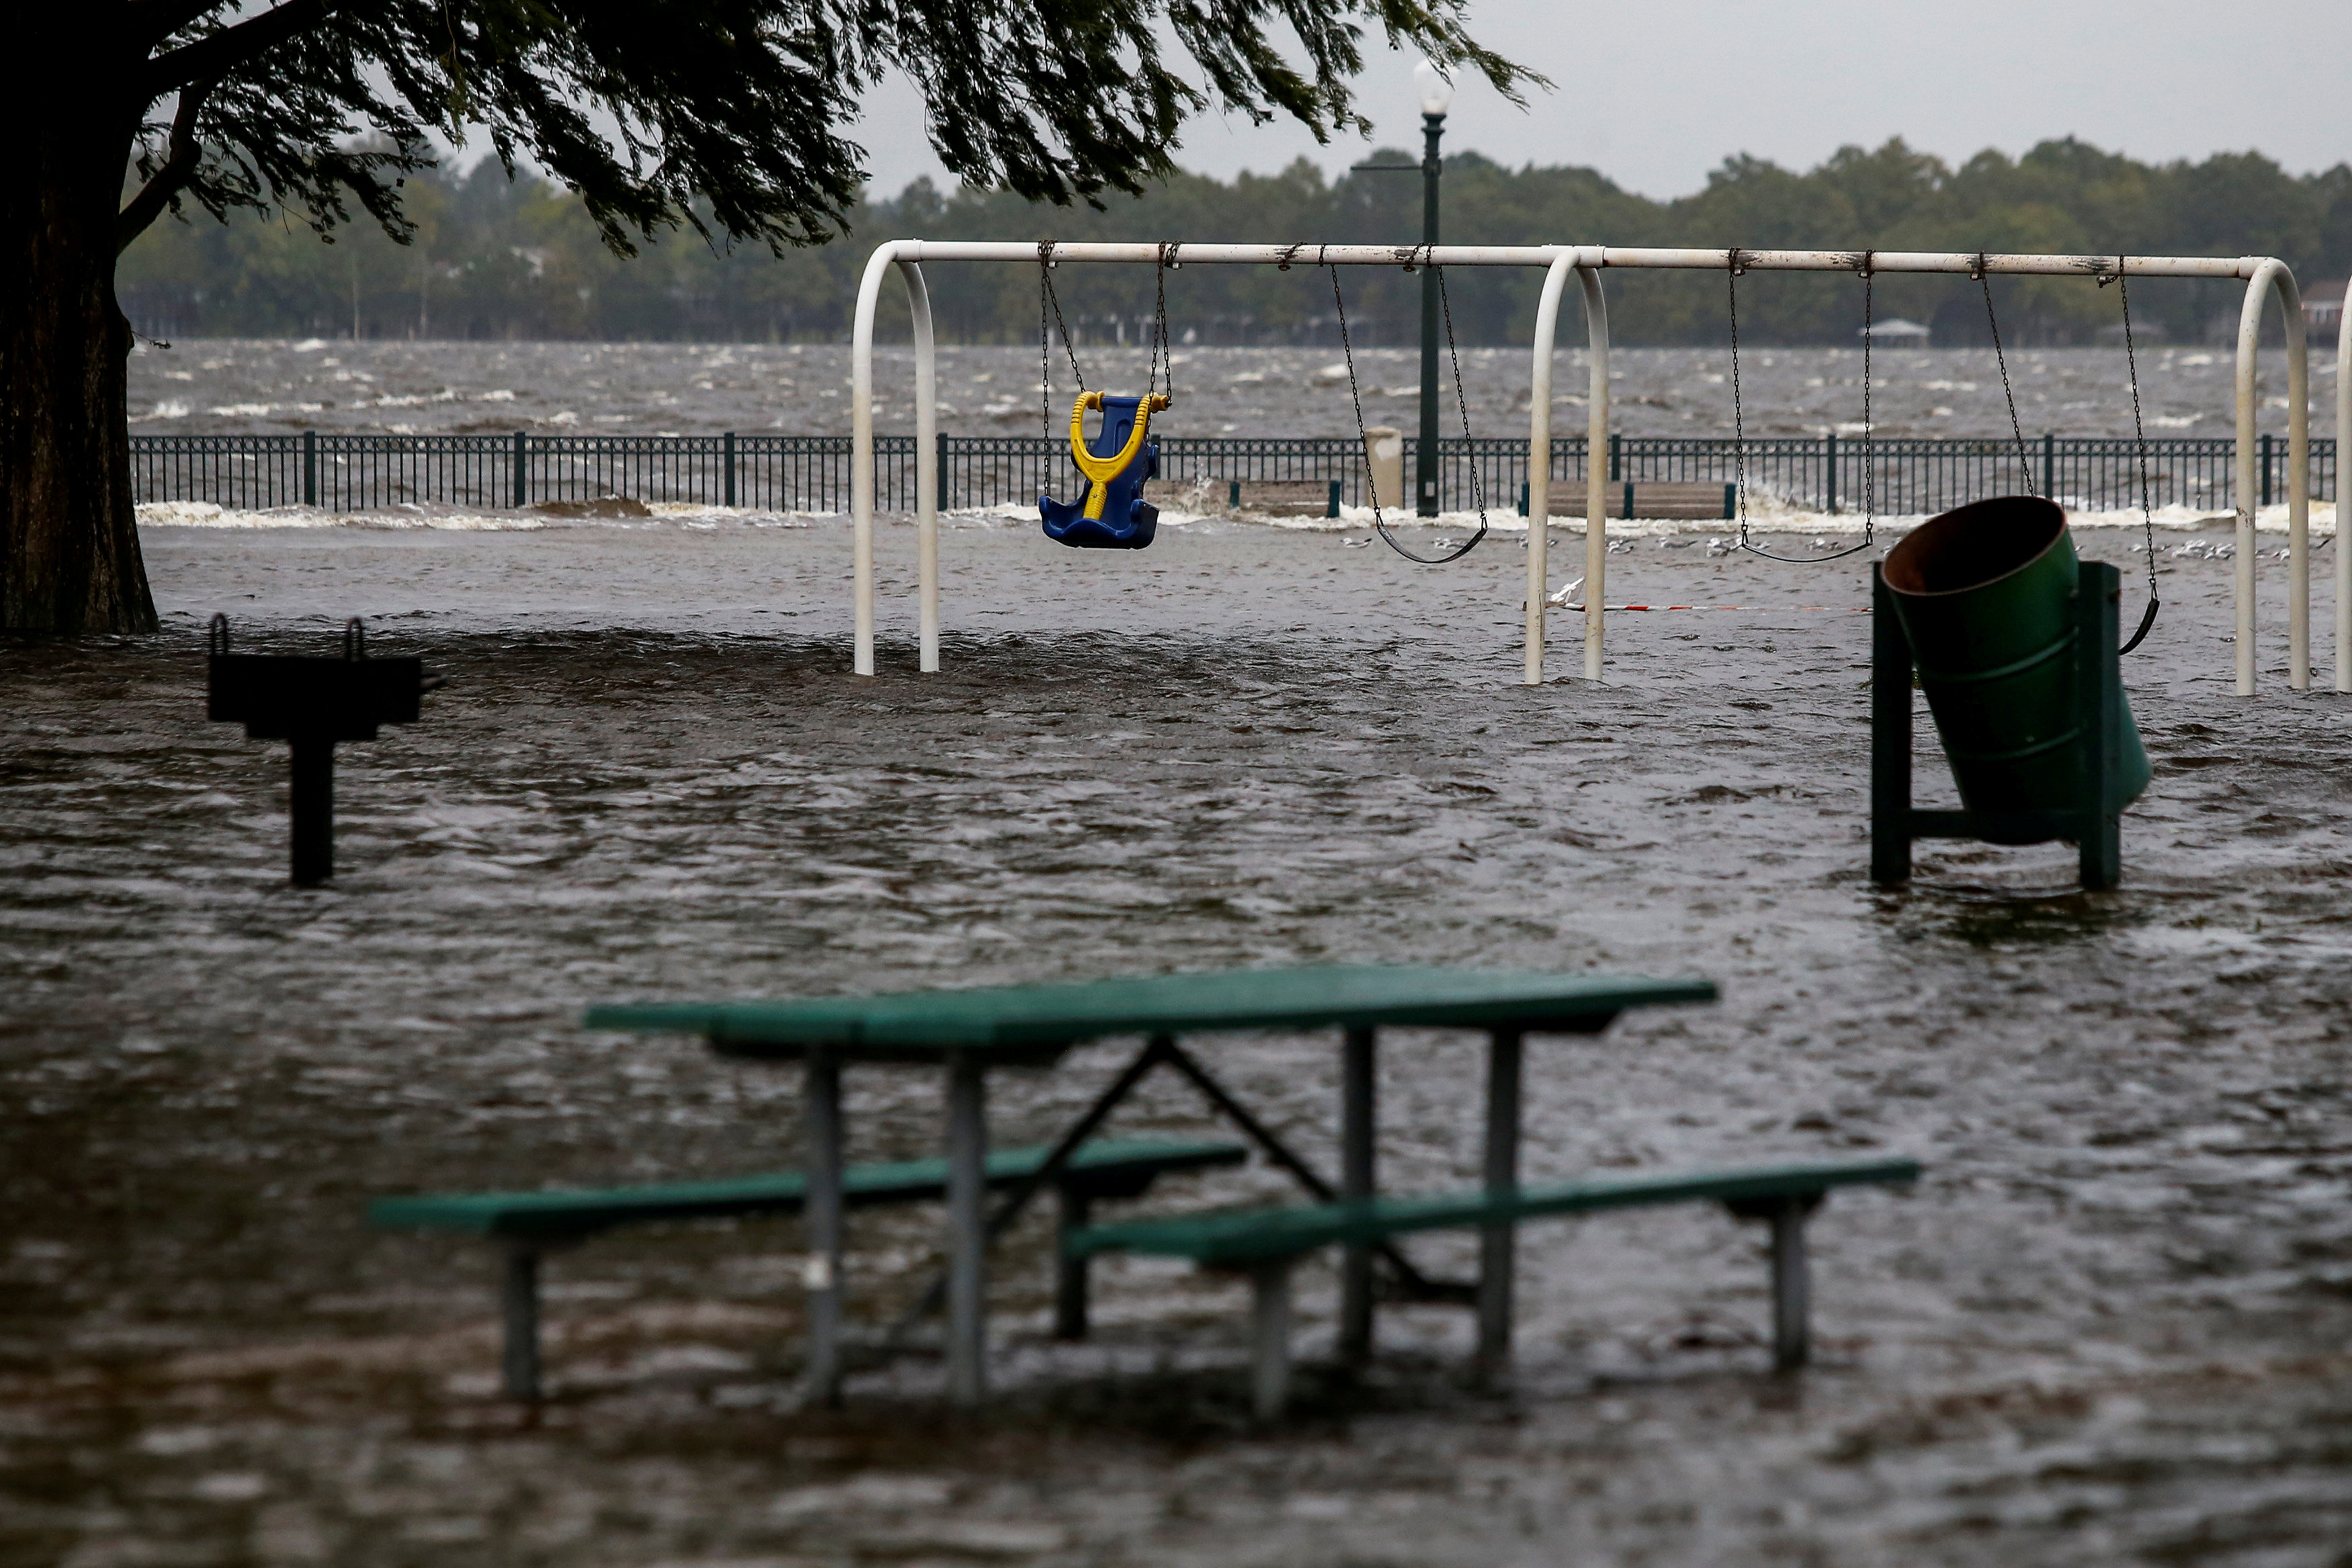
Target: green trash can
{"x":1985,"y":594}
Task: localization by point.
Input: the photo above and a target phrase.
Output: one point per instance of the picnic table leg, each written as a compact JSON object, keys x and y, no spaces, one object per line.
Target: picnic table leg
{"x":1056,"y":1166}
{"x":1270,"y":1338}
{"x":519,"y":1361}
{"x":967,"y":1238}
{"x":1358,"y":1092}
{"x":1070,"y":1280}
{"x":821,"y":1213}
{"x":1495,"y":1243}
{"x":1791,"y":1334}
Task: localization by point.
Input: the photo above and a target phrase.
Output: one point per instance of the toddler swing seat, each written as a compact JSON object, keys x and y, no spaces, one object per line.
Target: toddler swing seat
{"x":1113,"y":514}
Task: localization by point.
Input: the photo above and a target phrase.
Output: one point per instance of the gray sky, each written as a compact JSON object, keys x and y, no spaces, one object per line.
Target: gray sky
{"x":1656,"y":94}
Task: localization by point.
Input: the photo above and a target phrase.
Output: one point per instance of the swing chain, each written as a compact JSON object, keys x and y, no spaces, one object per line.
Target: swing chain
{"x":1462,"y":401}
{"x":2139,"y":439}
{"x":1159,"y":346}
{"x":1731,"y":272}
{"x":1869,"y":425}
{"x":1047,"y":295}
{"x":1045,"y":350}
{"x":2024,"y":463}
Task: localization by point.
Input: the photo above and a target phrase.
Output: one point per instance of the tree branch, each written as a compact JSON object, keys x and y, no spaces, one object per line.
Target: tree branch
{"x":156,"y":20}
{"x":168,"y":181}
{"x":211,"y":57}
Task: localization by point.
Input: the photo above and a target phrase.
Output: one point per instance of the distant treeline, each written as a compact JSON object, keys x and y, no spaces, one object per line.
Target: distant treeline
{"x":499,"y":258}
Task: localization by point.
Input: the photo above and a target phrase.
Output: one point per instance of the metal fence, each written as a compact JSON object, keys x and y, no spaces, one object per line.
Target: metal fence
{"x":811,"y":473}
{"x":1904,"y":474}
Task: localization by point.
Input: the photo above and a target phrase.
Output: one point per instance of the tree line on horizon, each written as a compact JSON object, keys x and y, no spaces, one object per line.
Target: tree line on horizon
{"x":521,"y":259}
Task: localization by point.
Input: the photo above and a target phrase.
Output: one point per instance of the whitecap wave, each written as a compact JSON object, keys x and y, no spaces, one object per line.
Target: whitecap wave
{"x":206,"y":514}
{"x":453,"y":519}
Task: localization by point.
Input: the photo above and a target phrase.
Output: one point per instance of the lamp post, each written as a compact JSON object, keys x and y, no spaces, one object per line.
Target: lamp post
{"x":1436,"y":97}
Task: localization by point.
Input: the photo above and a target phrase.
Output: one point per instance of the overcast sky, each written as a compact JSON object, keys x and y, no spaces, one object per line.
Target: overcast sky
{"x":1657,"y":93}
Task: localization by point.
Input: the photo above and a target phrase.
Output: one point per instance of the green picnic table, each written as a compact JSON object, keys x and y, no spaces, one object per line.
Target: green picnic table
{"x":970,"y":1031}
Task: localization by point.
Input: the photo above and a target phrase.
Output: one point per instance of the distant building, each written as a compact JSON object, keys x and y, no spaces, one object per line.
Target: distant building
{"x":2323,"y":310}
{"x":1898,"y":333}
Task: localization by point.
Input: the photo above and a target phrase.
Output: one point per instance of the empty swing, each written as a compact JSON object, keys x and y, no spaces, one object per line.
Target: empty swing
{"x":1462,"y":401}
{"x":2008,"y":396}
{"x":1112,"y":514}
{"x":2139,"y":430}
{"x":1869,"y":428}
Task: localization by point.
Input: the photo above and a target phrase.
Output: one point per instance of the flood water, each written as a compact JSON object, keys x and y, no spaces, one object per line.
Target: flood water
{"x":223,"y":385}
{"x":2113,"y":1324}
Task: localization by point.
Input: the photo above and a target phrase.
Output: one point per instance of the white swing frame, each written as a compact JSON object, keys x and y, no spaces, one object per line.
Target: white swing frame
{"x":2264,"y":276}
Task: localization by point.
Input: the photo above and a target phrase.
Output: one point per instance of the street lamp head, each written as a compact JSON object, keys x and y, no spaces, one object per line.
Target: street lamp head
{"x":1436,"y":92}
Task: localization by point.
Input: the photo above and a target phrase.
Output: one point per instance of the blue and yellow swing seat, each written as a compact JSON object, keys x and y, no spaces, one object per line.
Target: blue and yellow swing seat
{"x":1114,"y":514}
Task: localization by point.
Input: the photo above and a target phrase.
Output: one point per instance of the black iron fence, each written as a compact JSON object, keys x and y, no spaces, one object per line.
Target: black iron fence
{"x":811,"y":473}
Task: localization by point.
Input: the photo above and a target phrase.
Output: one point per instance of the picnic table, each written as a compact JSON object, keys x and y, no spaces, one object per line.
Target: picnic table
{"x":969,"y":1032}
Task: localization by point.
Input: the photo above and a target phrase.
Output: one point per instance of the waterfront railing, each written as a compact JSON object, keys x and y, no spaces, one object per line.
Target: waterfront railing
{"x":364,"y":472}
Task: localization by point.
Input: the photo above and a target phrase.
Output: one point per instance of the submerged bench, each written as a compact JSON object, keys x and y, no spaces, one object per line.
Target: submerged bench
{"x":530,"y":1223}
{"x":1284,"y":498}
{"x":1658,"y":499}
{"x":1266,"y":1243}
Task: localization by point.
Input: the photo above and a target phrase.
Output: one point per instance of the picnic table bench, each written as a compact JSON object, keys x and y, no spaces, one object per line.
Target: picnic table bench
{"x":1267,"y":1242}
{"x":970,"y":1031}
{"x":530,"y":1224}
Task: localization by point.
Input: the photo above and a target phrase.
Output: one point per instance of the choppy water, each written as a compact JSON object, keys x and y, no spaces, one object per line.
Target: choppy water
{"x":222,"y":385}
{"x":2114,"y":1325}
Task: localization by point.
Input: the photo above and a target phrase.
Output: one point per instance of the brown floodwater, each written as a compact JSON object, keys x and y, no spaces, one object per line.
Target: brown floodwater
{"x":2114,"y":1324}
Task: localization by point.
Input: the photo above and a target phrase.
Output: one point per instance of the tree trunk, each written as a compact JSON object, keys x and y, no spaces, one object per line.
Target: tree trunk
{"x":69,"y":537}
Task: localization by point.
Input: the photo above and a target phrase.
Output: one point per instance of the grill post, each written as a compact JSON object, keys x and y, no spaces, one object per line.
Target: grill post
{"x":521,"y":470}
{"x":314,"y":811}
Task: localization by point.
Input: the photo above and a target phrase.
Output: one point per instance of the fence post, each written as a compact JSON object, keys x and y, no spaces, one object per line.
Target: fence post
{"x":1616,"y":458}
{"x":520,"y":470}
{"x":309,"y":467}
{"x":730,"y":468}
{"x":1829,"y":469}
{"x":940,"y":467}
{"x":2266,"y":470}
{"x":2049,"y":466}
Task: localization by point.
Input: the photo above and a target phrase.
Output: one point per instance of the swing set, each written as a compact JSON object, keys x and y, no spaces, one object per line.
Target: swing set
{"x":1121,"y":457}
{"x":1870,"y":429}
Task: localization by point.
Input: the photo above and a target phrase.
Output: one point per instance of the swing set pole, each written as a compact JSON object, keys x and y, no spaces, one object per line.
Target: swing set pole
{"x":1968,"y":262}
{"x":2272,"y":277}
{"x":1596,"y":471}
{"x":861,"y":458}
{"x":906,"y":256}
{"x":1539,"y":460}
{"x":2264,"y":275}
{"x":2343,"y":513}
